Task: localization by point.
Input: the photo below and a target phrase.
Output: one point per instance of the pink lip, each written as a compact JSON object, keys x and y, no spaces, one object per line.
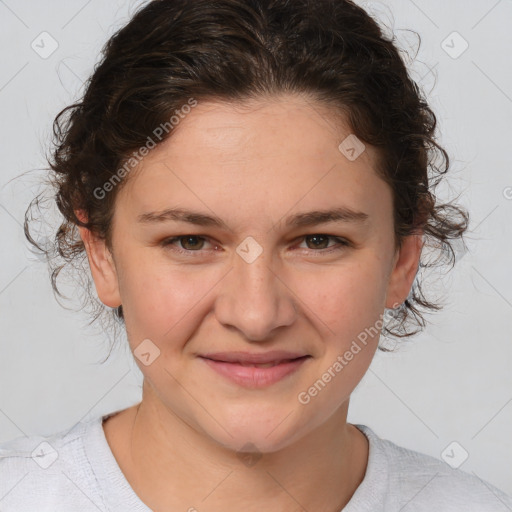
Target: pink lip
{"x":254,"y":377}
{"x":248,"y":357}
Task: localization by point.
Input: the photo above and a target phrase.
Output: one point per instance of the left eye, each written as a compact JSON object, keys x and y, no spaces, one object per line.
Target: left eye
{"x":194,"y":243}
{"x":317,"y":240}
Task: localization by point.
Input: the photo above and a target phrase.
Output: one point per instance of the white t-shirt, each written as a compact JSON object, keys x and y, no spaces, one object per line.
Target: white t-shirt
{"x":76,"y":471}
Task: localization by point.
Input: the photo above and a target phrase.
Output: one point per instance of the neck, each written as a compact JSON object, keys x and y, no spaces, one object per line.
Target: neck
{"x":172,"y":466}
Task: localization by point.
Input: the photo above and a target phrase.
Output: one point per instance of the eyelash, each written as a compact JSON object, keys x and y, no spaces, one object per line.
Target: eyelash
{"x":342,"y":244}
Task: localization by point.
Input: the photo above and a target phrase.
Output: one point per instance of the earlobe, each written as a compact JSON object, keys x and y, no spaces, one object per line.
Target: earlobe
{"x":404,"y":270}
{"x":102,"y":267}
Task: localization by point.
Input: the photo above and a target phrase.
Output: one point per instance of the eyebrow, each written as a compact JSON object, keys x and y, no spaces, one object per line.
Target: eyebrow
{"x":341,"y":214}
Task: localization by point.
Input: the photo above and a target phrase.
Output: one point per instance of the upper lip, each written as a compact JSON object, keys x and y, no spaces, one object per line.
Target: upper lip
{"x":247,"y":357}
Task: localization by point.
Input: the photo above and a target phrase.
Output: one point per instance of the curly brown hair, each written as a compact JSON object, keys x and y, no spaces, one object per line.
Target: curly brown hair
{"x":332,"y":51}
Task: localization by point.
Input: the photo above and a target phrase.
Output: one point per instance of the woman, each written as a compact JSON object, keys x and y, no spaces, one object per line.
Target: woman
{"x":252,"y":184}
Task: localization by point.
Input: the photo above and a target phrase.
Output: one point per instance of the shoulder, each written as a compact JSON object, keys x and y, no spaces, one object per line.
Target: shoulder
{"x":49,"y":473}
{"x":420,"y":482}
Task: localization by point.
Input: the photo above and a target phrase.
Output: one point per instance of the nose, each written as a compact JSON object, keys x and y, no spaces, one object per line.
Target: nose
{"x":255,"y":298}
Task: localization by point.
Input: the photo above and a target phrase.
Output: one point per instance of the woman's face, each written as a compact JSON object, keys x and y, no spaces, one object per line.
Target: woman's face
{"x":256,"y":270}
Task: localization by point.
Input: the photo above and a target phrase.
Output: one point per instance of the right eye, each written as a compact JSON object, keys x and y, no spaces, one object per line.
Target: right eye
{"x":189,"y":243}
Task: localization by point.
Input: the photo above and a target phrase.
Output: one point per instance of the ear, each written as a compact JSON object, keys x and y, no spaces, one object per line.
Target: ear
{"x":404,"y":270}
{"x":102,"y":265}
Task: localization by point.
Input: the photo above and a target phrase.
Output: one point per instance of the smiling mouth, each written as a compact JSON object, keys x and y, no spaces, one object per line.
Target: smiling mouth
{"x":256,"y":375}
{"x":259,"y":365}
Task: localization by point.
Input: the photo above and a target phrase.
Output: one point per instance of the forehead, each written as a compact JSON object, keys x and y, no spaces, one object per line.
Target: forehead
{"x":267,"y":154}
{"x":262,"y":129}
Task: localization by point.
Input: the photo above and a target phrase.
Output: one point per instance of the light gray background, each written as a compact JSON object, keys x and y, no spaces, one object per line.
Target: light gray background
{"x":452,"y":383}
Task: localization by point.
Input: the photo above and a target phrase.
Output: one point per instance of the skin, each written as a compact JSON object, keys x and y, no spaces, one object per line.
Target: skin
{"x":252,"y":165}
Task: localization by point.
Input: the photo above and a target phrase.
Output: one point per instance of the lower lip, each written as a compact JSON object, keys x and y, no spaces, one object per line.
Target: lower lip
{"x":253,"y":377}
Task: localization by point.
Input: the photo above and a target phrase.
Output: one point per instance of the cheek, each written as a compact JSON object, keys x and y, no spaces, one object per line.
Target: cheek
{"x":346,"y":306}
{"x":161,"y":301}
{"x":346,"y":298}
